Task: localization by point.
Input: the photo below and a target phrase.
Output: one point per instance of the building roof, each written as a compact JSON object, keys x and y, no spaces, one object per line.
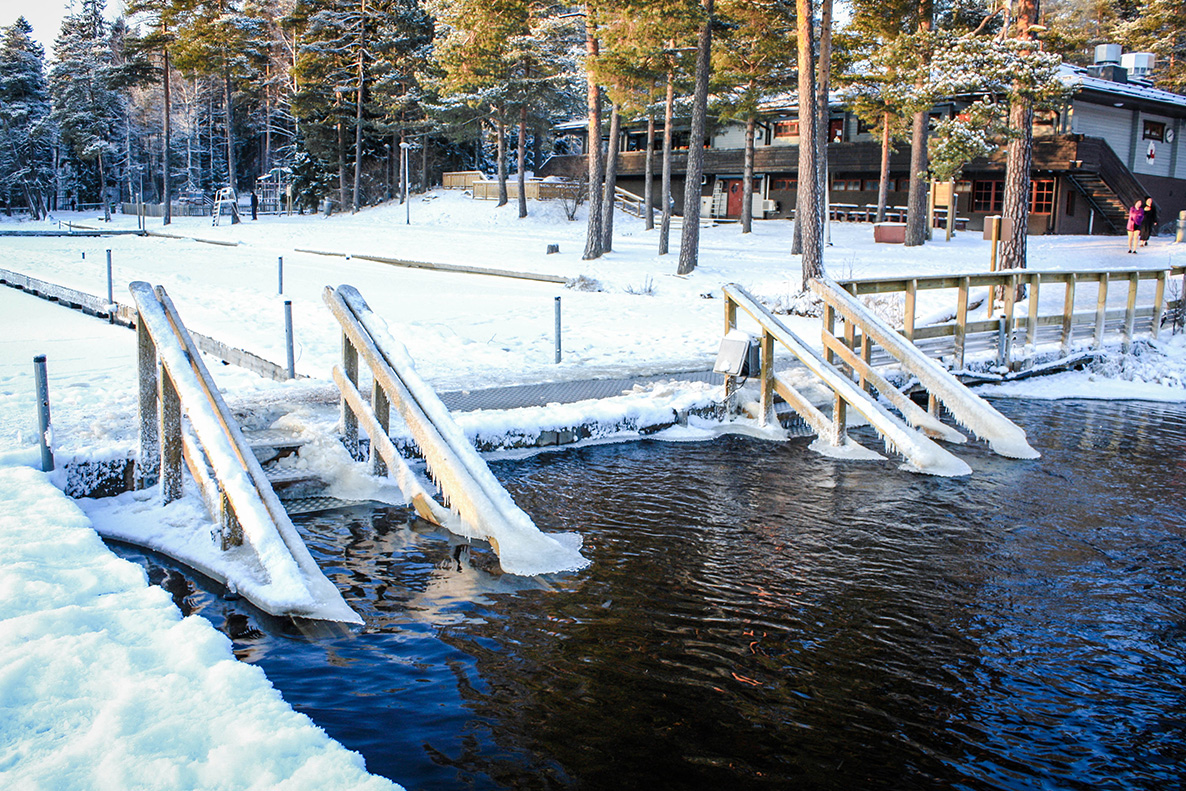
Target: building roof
{"x":1080,"y":79}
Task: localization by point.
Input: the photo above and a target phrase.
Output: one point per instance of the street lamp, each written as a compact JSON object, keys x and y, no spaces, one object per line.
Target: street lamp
{"x":404,"y":146}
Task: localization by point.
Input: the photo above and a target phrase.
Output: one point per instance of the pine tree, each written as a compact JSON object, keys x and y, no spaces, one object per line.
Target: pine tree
{"x":25,"y":130}
{"x":86,"y":109}
{"x":689,"y":250}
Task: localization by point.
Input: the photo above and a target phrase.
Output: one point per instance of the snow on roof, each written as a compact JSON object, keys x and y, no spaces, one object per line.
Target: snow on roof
{"x":1078,"y":77}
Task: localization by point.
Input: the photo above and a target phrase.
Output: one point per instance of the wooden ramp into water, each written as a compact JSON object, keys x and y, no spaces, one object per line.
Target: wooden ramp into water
{"x":479,"y":507}
{"x":910,"y":431}
{"x":255,"y":549}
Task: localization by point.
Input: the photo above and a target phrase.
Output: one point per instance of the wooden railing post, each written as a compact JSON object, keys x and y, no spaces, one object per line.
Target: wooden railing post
{"x":1130,"y":310}
{"x":1031,"y":326}
{"x":1101,"y":310}
{"x":839,"y":419}
{"x":1011,"y":286}
{"x":349,"y":419}
{"x":767,"y":398}
{"x":148,"y":459}
{"x":1158,"y":304}
{"x":382,"y":408}
{"x":730,"y":325}
{"x":961,"y":323}
{"x":829,"y":329}
{"x":171,"y":445}
{"x":908,"y":310}
{"x":1068,"y":315}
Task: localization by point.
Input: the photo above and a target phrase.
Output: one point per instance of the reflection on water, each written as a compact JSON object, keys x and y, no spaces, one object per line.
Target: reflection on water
{"x":759,"y":616}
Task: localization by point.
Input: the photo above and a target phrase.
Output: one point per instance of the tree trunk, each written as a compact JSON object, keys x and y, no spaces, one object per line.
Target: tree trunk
{"x":883,"y":181}
{"x":521,"y":161}
{"x":341,"y":156}
{"x":916,"y":197}
{"x":609,"y":197}
{"x":689,"y":247}
{"x":824,"y":110}
{"x":1018,"y":161}
{"x":747,"y":177}
{"x":1019,"y":156}
{"x":807,"y":219}
{"x":501,"y":131}
{"x":399,"y":169}
{"x":355,"y":197}
{"x":103,"y":191}
{"x":593,"y":236}
{"x":423,"y":178}
{"x":668,"y":113}
{"x":166,"y":164}
{"x":648,"y":190}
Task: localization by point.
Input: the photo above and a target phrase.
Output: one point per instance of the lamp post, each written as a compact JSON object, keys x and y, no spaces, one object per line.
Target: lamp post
{"x":404,"y":146}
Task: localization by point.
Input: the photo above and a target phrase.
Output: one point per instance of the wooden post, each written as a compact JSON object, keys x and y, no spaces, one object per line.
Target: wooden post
{"x":170,"y":439}
{"x":839,"y":420}
{"x":952,"y":202}
{"x":382,"y":408}
{"x":1158,"y":304}
{"x":1130,"y":310}
{"x":995,"y":238}
{"x":1010,"y":301}
{"x":730,"y":325}
{"x":866,"y":358}
{"x":1068,"y":315}
{"x":767,"y":397}
{"x":349,"y":419}
{"x":148,"y":460}
{"x":829,"y":329}
{"x":961,"y":323}
{"x":850,"y":339}
{"x":1031,"y":328}
{"x":908,"y":309}
{"x":933,"y":404}
{"x":1101,"y":309}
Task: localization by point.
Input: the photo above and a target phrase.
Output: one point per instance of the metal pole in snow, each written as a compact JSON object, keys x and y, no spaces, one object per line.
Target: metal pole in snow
{"x":280,"y":275}
{"x":47,"y":455}
{"x":557,"y":330}
{"x":288,"y":338}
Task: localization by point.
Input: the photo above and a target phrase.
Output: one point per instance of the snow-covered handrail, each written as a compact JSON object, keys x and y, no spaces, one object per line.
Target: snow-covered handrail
{"x":233,"y":484}
{"x":970,"y":410}
{"x":485,"y":508}
{"x":923,"y":454}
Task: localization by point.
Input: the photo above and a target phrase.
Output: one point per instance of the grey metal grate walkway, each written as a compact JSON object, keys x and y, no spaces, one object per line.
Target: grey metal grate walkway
{"x":519,"y":396}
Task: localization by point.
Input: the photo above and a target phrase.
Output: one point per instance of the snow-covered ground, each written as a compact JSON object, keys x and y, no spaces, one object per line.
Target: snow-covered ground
{"x":66,"y":604}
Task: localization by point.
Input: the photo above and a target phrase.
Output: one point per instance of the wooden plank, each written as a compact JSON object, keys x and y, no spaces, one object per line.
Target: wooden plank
{"x":382,"y":409}
{"x":349,"y":416}
{"x":148,"y":458}
{"x":767,"y":381}
{"x":1031,"y":326}
{"x":819,"y":422}
{"x":1101,"y":307}
{"x":961,"y":324}
{"x":1130,"y":311}
{"x":1068,"y":314}
{"x":1010,"y":299}
{"x":170,"y":439}
{"x":909,"y":309}
{"x":1158,"y":305}
{"x":436,"y":267}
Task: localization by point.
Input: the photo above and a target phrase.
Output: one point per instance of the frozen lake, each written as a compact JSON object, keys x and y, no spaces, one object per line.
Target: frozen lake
{"x":759,"y":616}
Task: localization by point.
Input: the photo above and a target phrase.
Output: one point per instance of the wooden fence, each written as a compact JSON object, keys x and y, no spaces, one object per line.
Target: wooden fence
{"x":461,"y":179}
{"x":534,"y":190}
{"x":1097,"y":315}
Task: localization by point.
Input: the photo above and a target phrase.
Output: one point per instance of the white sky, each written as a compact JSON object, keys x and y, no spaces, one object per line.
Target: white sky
{"x":45,"y":16}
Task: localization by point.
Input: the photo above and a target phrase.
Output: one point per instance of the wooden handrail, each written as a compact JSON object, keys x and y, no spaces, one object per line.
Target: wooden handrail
{"x":921,"y":451}
{"x":232,"y":482}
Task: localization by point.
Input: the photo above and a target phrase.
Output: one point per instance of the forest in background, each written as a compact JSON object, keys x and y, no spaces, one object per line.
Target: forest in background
{"x":183,"y":97}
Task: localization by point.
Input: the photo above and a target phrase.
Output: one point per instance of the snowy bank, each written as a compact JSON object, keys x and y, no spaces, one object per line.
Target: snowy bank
{"x":104,"y":685}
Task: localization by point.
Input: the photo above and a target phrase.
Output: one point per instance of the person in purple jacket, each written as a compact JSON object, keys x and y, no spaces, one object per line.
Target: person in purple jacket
{"x":1135,"y":215}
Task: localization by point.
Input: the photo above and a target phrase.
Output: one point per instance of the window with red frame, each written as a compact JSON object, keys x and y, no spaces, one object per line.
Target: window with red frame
{"x":1042,"y":196}
{"x":786,"y":128}
{"x":987,"y":196}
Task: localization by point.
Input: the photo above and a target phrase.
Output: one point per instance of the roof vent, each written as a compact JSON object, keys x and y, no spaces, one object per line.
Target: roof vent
{"x":1107,"y":54}
{"x":1138,"y":64}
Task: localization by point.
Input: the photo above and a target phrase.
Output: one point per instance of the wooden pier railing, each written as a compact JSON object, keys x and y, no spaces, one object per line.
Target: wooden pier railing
{"x":1090,"y":308}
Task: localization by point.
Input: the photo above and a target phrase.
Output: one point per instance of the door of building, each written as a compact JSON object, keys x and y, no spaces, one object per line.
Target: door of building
{"x":733,"y":188}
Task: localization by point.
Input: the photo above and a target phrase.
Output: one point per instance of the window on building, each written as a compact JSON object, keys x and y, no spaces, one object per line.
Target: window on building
{"x":1042,"y":196}
{"x":1154,"y":130}
{"x":900,"y":185}
{"x":1070,"y":203}
{"x":963,"y":186}
{"x":784,"y":184}
{"x":987,"y":195}
{"x":786,"y":128}
{"x":871,"y":185}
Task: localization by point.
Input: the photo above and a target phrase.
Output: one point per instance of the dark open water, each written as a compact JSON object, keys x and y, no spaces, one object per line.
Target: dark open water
{"x":757,"y":616}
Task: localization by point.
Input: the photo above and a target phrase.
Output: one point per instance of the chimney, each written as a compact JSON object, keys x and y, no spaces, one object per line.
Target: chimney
{"x":1107,"y":64}
{"x":1139,"y":66}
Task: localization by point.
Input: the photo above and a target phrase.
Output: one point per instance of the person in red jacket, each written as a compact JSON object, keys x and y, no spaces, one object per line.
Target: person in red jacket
{"x":1135,"y":216}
